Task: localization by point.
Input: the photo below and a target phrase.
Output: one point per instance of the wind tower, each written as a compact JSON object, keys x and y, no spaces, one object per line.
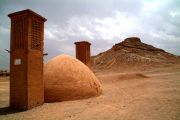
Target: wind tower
{"x":26,"y":59}
{"x":83,"y":52}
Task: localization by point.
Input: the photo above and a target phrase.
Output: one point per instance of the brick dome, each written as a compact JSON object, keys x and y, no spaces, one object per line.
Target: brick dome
{"x":66,"y":78}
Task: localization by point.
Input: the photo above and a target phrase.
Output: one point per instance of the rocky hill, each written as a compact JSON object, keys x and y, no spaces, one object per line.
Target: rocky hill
{"x":133,"y":54}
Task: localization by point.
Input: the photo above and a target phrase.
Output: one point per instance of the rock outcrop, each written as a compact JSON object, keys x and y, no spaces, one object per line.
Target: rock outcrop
{"x":132,"y":53}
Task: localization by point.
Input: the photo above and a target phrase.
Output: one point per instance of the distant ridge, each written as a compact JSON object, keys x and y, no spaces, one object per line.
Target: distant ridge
{"x":133,"y":54}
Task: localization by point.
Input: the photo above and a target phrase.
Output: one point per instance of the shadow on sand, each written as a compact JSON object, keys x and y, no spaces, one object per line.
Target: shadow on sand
{"x":7,"y":110}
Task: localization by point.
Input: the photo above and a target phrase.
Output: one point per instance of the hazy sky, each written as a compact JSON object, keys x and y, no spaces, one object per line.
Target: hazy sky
{"x":101,"y":22}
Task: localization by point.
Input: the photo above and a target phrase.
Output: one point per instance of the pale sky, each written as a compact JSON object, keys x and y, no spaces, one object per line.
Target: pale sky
{"x":101,"y":22}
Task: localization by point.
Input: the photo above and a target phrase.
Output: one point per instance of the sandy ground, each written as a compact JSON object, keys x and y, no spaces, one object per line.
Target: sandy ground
{"x":150,"y":95}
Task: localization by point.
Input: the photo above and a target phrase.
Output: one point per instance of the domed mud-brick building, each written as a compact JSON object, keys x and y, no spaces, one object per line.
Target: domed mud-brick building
{"x":66,"y":78}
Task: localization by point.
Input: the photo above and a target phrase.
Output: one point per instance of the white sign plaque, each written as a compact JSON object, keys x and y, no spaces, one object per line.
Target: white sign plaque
{"x":17,"y":61}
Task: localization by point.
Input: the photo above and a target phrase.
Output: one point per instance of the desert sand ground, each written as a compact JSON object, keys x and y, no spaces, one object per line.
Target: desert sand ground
{"x":147,"y":95}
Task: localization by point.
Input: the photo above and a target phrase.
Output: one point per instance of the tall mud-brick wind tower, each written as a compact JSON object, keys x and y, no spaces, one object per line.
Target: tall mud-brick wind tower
{"x":83,"y":52}
{"x":26,"y":60}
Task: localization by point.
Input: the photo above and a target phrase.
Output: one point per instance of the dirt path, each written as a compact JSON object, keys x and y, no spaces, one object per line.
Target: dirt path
{"x":129,"y":96}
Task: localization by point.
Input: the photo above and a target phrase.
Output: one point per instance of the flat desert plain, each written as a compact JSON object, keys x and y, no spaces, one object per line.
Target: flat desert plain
{"x":149,"y":95}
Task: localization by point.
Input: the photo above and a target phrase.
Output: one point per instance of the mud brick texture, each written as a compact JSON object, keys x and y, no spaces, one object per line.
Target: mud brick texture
{"x":26,"y":60}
